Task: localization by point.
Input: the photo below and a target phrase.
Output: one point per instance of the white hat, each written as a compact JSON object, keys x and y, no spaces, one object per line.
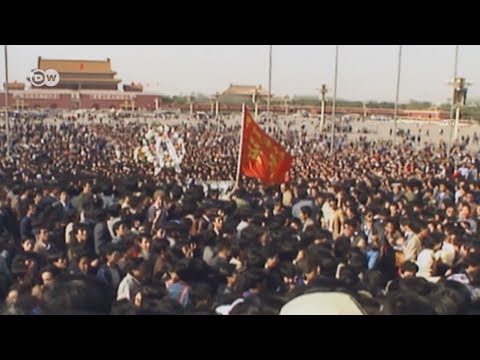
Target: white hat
{"x":322,"y":303}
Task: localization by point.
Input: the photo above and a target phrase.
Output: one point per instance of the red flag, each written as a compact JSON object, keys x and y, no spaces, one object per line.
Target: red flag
{"x":262,"y":156}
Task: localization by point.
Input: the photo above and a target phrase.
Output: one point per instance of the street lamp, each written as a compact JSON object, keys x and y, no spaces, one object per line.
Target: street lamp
{"x":269,"y":82}
{"x":7,"y":119}
{"x":212,"y":104}
{"x":323,"y":92}
{"x":255,"y":102}
{"x":217,"y":97}
{"x":334,"y":100}
{"x":397,"y":94}
{"x":459,"y":100}
{"x":453,"y":103}
{"x":190,"y":100}
{"x":286,"y":100}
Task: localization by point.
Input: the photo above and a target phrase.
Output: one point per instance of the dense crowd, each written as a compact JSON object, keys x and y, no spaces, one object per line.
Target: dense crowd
{"x":87,"y":229}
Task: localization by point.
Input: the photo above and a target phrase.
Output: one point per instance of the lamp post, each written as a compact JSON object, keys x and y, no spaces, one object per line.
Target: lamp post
{"x":217,"y":97}
{"x":452,"y":107}
{"x":255,"y":102}
{"x":286,"y":100}
{"x":190,"y":100}
{"x":459,"y":99}
{"x":334,"y":100}
{"x":396,"y":96}
{"x":7,"y":119}
{"x":323,"y":92}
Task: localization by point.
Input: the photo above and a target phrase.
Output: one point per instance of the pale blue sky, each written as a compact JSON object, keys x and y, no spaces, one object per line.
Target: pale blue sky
{"x":366,"y":72}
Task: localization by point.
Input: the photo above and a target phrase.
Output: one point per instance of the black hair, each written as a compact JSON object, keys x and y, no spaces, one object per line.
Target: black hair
{"x":409,"y":266}
{"x":76,"y":295}
{"x":407,"y":303}
{"x":306,"y":210}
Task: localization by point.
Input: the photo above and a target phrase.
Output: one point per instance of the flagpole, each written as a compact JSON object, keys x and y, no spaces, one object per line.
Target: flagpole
{"x":239,"y":164}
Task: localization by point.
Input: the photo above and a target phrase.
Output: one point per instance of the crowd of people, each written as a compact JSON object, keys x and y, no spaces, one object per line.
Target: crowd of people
{"x":87,"y":229}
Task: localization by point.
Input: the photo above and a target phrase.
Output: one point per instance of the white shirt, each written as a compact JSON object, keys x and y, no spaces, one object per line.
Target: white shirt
{"x":425,"y":262}
{"x":446,"y":254}
{"x":127,"y":287}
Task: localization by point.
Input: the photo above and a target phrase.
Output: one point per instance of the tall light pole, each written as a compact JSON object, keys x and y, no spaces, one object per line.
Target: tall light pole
{"x":269,"y":81}
{"x":217,"y":96}
{"x":7,"y":120}
{"x":449,"y":148}
{"x":334,"y":100}
{"x":323,"y":92}
{"x":397,"y":94}
{"x":286,"y":99}
{"x":190,"y":100}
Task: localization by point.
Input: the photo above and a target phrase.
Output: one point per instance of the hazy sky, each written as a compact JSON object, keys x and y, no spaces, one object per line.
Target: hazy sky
{"x":366,"y":72}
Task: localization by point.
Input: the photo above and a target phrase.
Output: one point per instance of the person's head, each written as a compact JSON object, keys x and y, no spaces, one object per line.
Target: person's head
{"x":224,"y":249}
{"x":120,"y":229}
{"x":408,"y":269}
{"x":271,"y":255}
{"x":295,"y":224}
{"x":231,"y":274}
{"x":84,"y":264}
{"x":18,"y":299}
{"x":349,"y":228}
{"x":159,"y":196}
{"x":87,"y":187}
{"x":450,"y":211}
{"x":465,"y":211}
{"x":77,"y":296}
{"x":305,"y":212}
{"x":396,"y":188}
{"x":407,"y":303}
{"x":218,"y":223}
{"x":59,"y":261}
{"x":146,"y":293}
{"x":393,"y":209}
{"x":12,"y":297}
{"x":48,"y":274}
{"x":43,"y":235}
{"x":137,"y":268}
{"x":28,"y":244}
{"x":469,"y":198}
{"x":442,"y":187}
{"x":472,"y":261}
{"x":390,"y":227}
{"x":32,"y":210}
{"x":112,"y":254}
{"x":145,"y":243}
{"x":333,"y":203}
{"x":81,"y":234}
{"x":64,"y":196}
